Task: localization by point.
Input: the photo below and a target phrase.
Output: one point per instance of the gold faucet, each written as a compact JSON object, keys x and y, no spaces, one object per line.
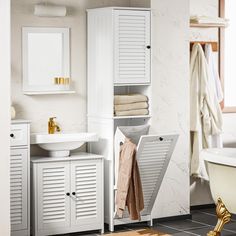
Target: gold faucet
{"x":52,"y":126}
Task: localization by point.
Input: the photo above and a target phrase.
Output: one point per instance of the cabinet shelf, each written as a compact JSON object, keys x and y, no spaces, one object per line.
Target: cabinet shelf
{"x":203,"y":25}
{"x":139,"y":84}
{"x":49,"y":92}
{"x":131,"y":117}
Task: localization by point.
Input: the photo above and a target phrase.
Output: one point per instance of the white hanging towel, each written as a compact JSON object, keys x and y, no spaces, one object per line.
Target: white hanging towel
{"x":214,"y":75}
{"x":205,"y":111}
{"x":215,"y":140}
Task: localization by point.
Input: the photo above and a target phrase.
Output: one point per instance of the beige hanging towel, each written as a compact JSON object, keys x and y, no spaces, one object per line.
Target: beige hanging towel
{"x":129,"y":186}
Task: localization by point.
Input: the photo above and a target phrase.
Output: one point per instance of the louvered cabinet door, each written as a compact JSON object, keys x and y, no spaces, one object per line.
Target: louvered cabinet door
{"x":53,"y":205}
{"x":132,"y":47}
{"x":153,"y":157}
{"x":86,"y":185}
{"x":18,"y":189}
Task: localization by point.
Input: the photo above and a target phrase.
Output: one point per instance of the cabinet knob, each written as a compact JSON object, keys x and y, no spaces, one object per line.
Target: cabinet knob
{"x":161,"y":139}
{"x":73,"y":193}
{"x":67,"y":194}
{"x":11,"y":135}
{"x":148,"y":46}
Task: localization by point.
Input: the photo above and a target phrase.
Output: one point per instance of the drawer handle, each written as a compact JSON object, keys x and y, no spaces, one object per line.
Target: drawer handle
{"x":73,"y":193}
{"x":67,"y":194}
{"x":148,"y":47}
{"x":12,"y":135}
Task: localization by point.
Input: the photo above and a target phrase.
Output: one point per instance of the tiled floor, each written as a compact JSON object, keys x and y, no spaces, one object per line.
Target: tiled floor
{"x":201,"y":223}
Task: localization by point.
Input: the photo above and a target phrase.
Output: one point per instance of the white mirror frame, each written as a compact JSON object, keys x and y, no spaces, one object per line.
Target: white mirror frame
{"x":37,"y":89}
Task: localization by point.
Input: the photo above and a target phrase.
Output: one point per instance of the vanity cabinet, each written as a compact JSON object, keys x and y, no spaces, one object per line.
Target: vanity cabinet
{"x":19,"y":178}
{"x":67,"y":194}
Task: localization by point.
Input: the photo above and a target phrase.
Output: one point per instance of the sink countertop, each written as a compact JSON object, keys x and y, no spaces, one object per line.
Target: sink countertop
{"x":43,"y":138}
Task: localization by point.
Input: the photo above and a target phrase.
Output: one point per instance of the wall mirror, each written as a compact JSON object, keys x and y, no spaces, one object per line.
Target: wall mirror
{"x":46,"y":57}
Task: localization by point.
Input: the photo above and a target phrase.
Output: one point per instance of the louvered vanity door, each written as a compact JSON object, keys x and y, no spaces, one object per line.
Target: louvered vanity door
{"x":18,"y":189}
{"x":132,"y":46}
{"x":53,"y":203}
{"x":86,"y":185}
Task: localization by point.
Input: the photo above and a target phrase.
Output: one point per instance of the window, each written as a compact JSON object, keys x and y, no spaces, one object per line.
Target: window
{"x":228,"y":55}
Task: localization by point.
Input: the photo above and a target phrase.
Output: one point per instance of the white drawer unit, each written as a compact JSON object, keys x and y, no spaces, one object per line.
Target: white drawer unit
{"x":19,"y":178}
{"x":19,"y":135}
{"x":67,"y":194}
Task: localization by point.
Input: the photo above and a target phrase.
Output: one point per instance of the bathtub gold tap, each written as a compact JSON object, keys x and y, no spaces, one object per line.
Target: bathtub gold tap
{"x":223,"y":217}
{"x":52,"y":126}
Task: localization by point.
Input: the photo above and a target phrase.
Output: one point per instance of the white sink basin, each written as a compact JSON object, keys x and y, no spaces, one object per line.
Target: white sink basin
{"x":60,"y":144}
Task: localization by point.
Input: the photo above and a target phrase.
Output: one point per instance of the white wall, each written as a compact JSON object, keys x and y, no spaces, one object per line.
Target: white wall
{"x":5,"y":117}
{"x":200,"y":191}
{"x":69,"y":109}
{"x":170,"y":99}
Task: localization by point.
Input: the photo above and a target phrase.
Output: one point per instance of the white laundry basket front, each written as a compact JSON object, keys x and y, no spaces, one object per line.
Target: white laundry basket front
{"x":153,"y":156}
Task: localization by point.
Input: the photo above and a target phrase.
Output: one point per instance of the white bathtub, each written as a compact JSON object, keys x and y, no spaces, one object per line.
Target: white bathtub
{"x":221,"y":166}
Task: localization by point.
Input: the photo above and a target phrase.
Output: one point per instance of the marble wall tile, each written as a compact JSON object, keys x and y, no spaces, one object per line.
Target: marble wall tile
{"x":170,"y":100}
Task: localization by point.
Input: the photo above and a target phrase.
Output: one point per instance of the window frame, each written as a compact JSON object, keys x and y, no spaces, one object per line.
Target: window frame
{"x":225,"y":109}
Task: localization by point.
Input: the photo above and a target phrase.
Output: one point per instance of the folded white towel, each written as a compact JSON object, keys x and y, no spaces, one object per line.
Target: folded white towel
{"x":131,"y":106}
{"x":127,"y":99}
{"x":132,"y":112}
{"x":213,"y":73}
{"x":209,"y":20}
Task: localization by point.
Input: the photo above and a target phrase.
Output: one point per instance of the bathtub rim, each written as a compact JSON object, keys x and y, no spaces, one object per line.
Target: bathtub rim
{"x":218,"y":156}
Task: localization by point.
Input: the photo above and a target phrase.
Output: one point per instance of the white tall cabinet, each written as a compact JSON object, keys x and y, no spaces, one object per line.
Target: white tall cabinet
{"x":119,"y":62}
{"x":67,"y":194}
{"x":20,"y":178}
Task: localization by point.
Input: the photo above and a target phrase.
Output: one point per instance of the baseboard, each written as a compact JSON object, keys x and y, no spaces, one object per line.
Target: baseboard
{"x":171,"y":218}
{"x":159,"y":220}
{"x":200,"y":207}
